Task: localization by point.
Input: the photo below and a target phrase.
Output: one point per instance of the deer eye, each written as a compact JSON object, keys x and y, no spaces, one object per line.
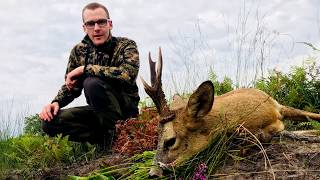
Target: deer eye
{"x":169,"y":143}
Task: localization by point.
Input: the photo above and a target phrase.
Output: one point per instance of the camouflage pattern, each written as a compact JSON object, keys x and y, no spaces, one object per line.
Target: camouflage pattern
{"x":117,"y":60}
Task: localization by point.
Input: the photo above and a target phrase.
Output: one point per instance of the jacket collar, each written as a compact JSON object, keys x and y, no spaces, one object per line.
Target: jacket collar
{"x":106,"y":45}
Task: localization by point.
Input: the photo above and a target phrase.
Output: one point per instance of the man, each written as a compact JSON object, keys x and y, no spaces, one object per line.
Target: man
{"x":106,"y":68}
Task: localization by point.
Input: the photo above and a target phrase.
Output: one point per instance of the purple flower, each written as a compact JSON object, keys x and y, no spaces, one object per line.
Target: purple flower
{"x":200,"y":172}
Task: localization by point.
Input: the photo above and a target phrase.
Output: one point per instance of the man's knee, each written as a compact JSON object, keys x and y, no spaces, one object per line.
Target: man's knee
{"x":47,"y":128}
{"x":92,"y":84}
{"x":54,"y":126}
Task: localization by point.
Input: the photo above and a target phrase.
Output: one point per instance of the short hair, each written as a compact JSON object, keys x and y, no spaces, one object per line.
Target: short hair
{"x":93,"y":6}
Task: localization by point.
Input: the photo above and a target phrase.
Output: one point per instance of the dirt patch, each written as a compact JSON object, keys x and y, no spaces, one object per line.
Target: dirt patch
{"x":286,"y":159}
{"x":81,"y":169}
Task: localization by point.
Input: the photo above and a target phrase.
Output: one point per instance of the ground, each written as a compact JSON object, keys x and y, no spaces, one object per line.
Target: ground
{"x":286,"y":159}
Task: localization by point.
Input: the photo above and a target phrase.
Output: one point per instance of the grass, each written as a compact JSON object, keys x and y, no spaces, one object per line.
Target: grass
{"x":136,"y":167}
{"x":201,"y":166}
{"x":27,"y":154}
{"x":25,"y":150}
{"x":11,"y":119}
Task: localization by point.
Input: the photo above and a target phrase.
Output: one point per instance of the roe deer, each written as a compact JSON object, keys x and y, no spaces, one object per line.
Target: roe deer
{"x":185,"y":127}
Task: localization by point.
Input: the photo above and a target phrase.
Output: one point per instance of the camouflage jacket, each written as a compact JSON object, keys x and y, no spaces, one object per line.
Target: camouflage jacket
{"x":116,"y":61}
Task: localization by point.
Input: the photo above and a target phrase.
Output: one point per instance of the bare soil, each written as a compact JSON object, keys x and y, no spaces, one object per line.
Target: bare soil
{"x":286,"y":159}
{"x":82,"y":169}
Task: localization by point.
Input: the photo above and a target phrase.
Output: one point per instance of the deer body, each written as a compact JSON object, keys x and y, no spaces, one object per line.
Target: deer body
{"x":251,"y":107}
{"x":186,"y":128}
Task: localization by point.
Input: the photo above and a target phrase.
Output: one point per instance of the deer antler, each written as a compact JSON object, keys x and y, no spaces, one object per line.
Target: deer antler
{"x":155,"y":90}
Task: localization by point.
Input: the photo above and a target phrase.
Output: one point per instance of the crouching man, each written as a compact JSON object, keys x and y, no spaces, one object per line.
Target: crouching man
{"x":106,"y":68}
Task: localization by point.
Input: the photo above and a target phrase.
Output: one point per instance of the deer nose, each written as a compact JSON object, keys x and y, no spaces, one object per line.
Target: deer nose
{"x":155,"y":172}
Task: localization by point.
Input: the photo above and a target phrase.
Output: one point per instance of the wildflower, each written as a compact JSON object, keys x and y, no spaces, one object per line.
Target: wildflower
{"x":200,"y":172}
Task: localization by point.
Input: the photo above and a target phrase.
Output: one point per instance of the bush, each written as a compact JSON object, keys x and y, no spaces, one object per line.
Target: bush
{"x":32,"y":125}
{"x":299,"y":89}
{"x":220,"y":87}
{"x":137,"y":135}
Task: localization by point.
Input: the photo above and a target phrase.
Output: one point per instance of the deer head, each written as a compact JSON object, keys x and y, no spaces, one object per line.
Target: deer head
{"x":181,"y":129}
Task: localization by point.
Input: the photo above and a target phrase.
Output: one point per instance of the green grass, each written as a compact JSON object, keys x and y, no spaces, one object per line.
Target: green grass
{"x":29,"y":153}
{"x":222,"y":145}
{"x":136,"y":167}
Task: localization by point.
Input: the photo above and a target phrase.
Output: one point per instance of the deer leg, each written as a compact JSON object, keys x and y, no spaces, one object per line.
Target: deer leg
{"x":300,"y":137}
{"x":266,"y":134}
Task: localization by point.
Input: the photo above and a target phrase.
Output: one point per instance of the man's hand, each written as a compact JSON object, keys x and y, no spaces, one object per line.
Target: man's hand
{"x":49,"y":111}
{"x":71,"y":77}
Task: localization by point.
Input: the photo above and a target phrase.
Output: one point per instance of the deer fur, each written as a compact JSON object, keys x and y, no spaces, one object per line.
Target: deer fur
{"x":187,"y":127}
{"x":196,"y":119}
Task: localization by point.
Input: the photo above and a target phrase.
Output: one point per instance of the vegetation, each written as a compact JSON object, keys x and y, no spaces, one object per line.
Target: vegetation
{"x":137,"y":135}
{"x":33,"y":125}
{"x":32,"y":151}
{"x":137,"y":138}
{"x":29,"y":153}
{"x":299,"y":88}
{"x":222,"y":87}
{"x":136,"y":167}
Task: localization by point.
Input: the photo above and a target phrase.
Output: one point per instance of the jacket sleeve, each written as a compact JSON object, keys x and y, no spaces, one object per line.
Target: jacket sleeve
{"x":128,"y":69}
{"x":65,"y":96}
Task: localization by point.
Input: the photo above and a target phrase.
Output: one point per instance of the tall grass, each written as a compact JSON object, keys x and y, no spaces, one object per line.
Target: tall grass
{"x":12,"y":115}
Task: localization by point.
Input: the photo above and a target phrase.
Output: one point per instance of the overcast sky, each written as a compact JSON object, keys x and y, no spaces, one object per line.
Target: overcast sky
{"x":195,"y":36}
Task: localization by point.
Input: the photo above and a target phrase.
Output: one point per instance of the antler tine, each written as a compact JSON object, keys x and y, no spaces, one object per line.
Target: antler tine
{"x":146,"y":86}
{"x":159,"y":67}
{"x":152,"y":65}
{"x":155,"y":90}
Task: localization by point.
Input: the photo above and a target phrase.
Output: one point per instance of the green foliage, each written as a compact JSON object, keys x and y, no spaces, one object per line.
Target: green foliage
{"x":220,"y":87}
{"x":146,"y":102}
{"x":32,"y":125}
{"x":141,"y":166}
{"x":299,"y":89}
{"x":136,"y":167}
{"x":310,"y":125}
{"x":213,"y":156}
{"x":29,"y":153}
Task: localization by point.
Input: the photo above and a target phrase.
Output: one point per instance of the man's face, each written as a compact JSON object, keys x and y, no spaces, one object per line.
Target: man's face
{"x":97,"y":33}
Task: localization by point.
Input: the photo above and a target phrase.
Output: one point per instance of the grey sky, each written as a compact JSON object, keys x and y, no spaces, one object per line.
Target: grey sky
{"x":195,"y":36}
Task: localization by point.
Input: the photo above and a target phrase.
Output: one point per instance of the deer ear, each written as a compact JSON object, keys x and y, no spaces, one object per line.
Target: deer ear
{"x":201,"y":101}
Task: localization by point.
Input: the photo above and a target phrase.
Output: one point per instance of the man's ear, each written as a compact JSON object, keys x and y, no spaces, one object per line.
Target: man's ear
{"x":201,"y":101}
{"x":110,"y":24}
{"x":84,"y":29}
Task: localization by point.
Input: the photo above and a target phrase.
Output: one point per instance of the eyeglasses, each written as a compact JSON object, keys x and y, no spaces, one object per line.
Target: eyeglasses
{"x":100,"y":22}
